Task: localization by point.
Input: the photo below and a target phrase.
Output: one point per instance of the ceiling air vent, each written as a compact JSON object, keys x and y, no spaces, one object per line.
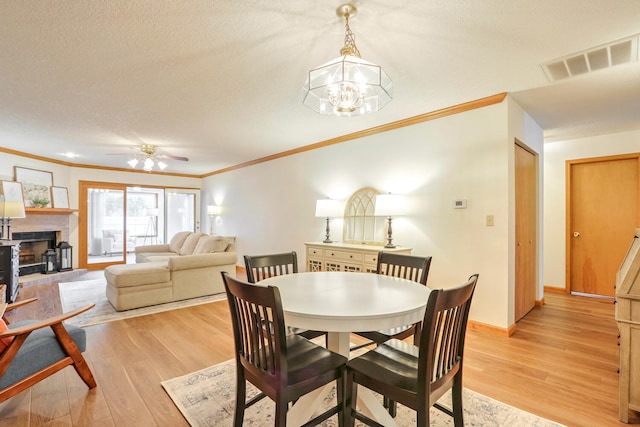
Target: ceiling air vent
{"x":600,"y":57}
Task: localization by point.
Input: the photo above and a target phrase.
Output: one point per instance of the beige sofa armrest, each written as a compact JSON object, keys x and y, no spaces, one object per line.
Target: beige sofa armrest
{"x":152,"y":248}
{"x":186,"y":262}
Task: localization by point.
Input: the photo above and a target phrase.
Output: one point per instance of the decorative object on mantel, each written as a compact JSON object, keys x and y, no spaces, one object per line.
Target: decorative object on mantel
{"x":11,"y":205}
{"x":59,"y":197}
{"x":330,"y":209}
{"x":39,"y":202}
{"x":64,"y":256}
{"x":389,"y":205}
{"x":347,"y":85}
{"x":35,"y":183}
{"x":49,"y":261}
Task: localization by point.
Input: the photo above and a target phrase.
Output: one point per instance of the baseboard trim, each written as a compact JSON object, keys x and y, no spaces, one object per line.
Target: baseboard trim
{"x":555,"y":290}
{"x":479,"y":326}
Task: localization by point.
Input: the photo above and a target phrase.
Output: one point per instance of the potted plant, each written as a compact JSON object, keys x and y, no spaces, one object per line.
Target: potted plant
{"x":39,"y":202}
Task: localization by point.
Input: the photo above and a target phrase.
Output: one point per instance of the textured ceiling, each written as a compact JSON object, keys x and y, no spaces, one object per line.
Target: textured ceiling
{"x":220,"y":81}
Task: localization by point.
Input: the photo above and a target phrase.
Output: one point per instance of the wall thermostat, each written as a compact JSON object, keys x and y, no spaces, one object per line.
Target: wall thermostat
{"x":460,"y":204}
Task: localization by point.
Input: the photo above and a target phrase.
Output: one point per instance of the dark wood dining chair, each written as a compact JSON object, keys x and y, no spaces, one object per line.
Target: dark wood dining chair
{"x":408,"y":267}
{"x":260,"y":267}
{"x":32,"y":350}
{"x":417,"y":376}
{"x":283,"y":367}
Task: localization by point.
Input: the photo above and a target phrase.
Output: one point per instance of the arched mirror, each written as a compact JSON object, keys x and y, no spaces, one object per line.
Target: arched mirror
{"x":360,"y":223}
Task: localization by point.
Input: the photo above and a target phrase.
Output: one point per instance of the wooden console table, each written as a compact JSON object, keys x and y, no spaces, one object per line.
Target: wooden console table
{"x":346,"y":256}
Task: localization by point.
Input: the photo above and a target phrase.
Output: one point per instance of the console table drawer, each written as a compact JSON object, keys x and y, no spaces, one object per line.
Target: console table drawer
{"x":315,"y":252}
{"x":344,"y":256}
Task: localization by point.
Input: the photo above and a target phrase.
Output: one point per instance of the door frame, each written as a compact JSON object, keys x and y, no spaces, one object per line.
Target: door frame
{"x":568,"y":225}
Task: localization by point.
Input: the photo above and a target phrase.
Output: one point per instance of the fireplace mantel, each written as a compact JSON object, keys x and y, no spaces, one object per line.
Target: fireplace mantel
{"x":49,"y":211}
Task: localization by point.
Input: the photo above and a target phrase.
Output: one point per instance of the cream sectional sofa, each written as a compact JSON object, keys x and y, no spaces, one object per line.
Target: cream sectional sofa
{"x":188,"y":267}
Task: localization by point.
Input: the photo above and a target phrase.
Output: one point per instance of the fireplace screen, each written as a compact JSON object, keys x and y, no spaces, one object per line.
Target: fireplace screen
{"x":32,"y":245}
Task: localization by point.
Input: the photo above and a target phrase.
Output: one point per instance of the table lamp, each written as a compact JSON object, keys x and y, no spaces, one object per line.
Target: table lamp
{"x":12,"y":210}
{"x":330,"y":209}
{"x":389,"y":205}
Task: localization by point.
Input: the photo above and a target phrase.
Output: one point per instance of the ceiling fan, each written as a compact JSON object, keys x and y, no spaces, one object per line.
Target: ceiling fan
{"x":149,"y":156}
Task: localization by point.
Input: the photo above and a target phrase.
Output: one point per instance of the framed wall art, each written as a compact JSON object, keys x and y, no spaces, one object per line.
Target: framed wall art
{"x":59,"y":197}
{"x":36,"y":185}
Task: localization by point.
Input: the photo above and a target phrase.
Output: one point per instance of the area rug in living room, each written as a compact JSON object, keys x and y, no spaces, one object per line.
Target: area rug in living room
{"x":206,"y":398}
{"x":78,"y":294}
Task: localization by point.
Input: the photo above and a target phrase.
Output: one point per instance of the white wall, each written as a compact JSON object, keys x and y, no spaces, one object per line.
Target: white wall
{"x":556,"y":155}
{"x":270,"y":206}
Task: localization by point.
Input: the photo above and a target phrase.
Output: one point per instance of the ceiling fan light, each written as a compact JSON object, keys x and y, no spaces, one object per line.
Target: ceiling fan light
{"x":133,"y":162}
{"x":162,"y":165}
{"x":148,"y":164}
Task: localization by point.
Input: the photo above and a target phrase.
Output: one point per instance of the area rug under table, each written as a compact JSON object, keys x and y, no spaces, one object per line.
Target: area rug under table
{"x":78,"y":294}
{"x":207,"y":398}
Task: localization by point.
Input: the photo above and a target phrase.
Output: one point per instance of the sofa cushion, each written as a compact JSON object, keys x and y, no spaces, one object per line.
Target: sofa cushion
{"x":126,"y":275}
{"x":190,"y":243}
{"x":4,"y":342}
{"x":178,"y":240}
{"x":39,"y":350}
{"x":208,"y":244}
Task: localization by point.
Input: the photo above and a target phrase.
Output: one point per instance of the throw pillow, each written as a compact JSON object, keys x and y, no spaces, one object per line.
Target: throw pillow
{"x":208,"y":244}
{"x":190,"y":243}
{"x":178,"y":240}
{"x":4,"y":342}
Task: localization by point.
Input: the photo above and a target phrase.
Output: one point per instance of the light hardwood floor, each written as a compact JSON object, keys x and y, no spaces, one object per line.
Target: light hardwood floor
{"x":561,"y":364}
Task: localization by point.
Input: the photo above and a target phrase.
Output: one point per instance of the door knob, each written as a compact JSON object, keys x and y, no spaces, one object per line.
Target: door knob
{"x":576,"y":234}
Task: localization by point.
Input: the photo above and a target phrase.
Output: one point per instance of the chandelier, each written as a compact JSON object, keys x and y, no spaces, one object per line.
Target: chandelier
{"x":348,"y":85}
{"x":147,"y":156}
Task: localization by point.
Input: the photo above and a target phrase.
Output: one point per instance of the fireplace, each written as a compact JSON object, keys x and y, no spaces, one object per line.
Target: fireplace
{"x":32,"y":245}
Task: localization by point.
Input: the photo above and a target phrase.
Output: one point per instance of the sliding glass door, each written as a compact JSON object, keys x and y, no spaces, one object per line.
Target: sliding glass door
{"x":103,"y":235}
{"x":115,"y":218}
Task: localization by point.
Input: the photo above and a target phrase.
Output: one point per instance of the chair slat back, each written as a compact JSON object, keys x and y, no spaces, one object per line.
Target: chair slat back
{"x":443,"y":333}
{"x":258,"y":328}
{"x":260,"y":267}
{"x":408,"y":267}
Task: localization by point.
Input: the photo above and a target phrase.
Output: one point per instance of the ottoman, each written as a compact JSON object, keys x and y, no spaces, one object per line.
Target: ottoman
{"x":138,"y":285}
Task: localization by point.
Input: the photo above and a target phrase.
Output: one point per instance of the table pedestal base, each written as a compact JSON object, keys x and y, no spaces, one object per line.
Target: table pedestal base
{"x":304,"y":408}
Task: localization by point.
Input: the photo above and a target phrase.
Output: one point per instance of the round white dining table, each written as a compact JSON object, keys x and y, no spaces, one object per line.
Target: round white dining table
{"x":345,"y":302}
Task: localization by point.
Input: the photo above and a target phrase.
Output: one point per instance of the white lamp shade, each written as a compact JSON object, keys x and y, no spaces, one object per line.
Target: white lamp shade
{"x":13,"y":210}
{"x":389,"y":205}
{"x":213,"y":210}
{"x":328,"y":208}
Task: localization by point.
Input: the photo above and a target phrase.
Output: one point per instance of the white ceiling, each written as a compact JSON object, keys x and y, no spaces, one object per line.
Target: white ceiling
{"x":220,"y":81}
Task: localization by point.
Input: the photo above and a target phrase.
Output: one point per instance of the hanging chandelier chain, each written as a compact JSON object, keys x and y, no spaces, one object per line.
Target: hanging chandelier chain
{"x":349,"y":47}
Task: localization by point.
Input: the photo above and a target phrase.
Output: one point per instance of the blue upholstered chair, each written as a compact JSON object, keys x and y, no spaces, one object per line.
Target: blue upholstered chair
{"x":32,"y":350}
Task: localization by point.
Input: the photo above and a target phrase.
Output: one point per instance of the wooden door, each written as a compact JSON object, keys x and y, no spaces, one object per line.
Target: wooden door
{"x":526,"y":231}
{"x":601,"y":220}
